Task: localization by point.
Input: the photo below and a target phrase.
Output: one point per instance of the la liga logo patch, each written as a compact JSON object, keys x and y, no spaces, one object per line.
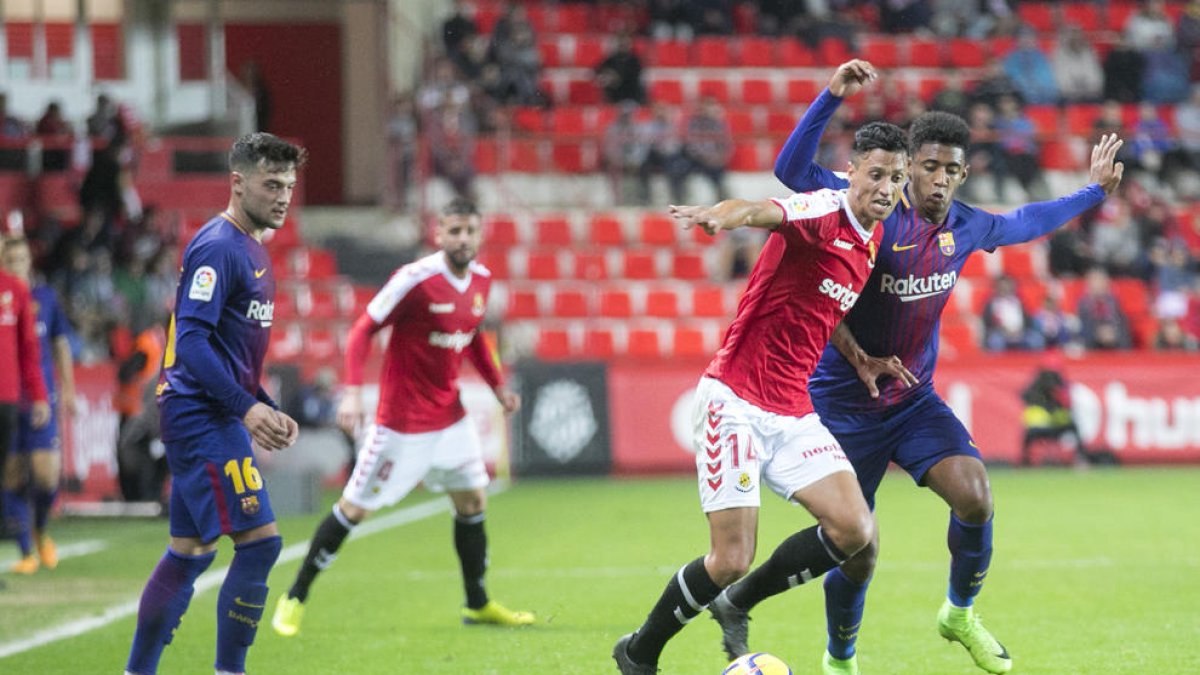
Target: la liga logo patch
{"x":204,"y":281}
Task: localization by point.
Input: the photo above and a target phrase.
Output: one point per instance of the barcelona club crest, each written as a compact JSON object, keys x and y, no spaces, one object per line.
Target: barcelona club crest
{"x":946,"y":243}
{"x":477,"y":305}
{"x":250,"y":505}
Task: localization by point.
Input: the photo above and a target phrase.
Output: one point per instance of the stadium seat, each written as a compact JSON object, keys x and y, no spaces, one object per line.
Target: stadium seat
{"x":574,"y":157}
{"x":999,"y":47}
{"x":553,"y":344}
{"x":881,"y":50}
{"x":929,"y":87}
{"x":745,"y":157}
{"x":1037,"y":15}
{"x":666,"y":91}
{"x":781,"y":122}
{"x":501,"y":232}
{"x":542,"y":18}
{"x":668,"y":54}
{"x":958,"y":339}
{"x":575,"y":17}
{"x":689,"y":343}
{"x":644,"y":343}
{"x":662,"y":303}
{"x":523,"y":304}
{"x":966,"y":53}
{"x":741,"y":122}
{"x":1061,"y":155}
{"x":688,"y":266}
{"x":363,"y":295}
{"x":550,"y":53}
{"x":497,"y":263}
{"x":699,"y":236}
{"x":756,"y":52}
{"x":286,"y":306}
{"x":529,"y":119}
{"x":1020,"y":262}
{"x":1081,"y":116}
{"x":802,"y":91}
{"x":321,"y":343}
{"x":711,"y":52}
{"x":924,"y":53}
{"x":542,"y":265}
{"x":485,"y":156}
{"x":571,"y":303}
{"x":522,"y":156}
{"x":590,"y":265}
{"x":318,"y":303}
{"x":589,"y":51}
{"x":757,"y":92}
{"x":1033,"y":295}
{"x":287,"y":343}
{"x":1085,"y":15}
{"x":1133,"y":296}
{"x":599,"y":343}
{"x":708,"y":300}
{"x":639,"y":264}
{"x":616,"y":303}
{"x":1045,"y":118}
{"x":1116,"y":15}
{"x":657,"y":230}
{"x":833,"y":51}
{"x":795,"y":54}
{"x":583,"y":92}
{"x":606,"y":230}
{"x":569,"y":120}
{"x":714,"y":88}
{"x":1072,"y":290}
{"x":976,"y":267}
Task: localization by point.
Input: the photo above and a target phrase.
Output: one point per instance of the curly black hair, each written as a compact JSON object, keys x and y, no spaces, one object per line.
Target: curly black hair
{"x":879,"y":136}
{"x":249,"y":150}
{"x":939,"y":127}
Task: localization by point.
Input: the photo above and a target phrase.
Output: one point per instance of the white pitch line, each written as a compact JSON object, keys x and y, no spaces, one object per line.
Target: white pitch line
{"x":67,"y":551}
{"x":213,"y":578}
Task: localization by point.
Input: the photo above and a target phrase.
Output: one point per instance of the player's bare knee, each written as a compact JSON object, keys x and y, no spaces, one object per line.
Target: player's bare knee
{"x":728,"y":565}
{"x":355,"y":514}
{"x":468,"y":504}
{"x":974,"y":505}
{"x":851,"y":531}
{"x":861,"y":565}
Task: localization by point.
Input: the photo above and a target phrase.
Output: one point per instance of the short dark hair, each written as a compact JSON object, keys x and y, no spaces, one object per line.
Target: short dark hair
{"x":939,"y":127}
{"x":460,"y":207}
{"x":249,"y":150}
{"x":879,"y":136}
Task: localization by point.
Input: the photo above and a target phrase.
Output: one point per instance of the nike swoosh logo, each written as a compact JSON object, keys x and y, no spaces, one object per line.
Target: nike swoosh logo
{"x":972,"y":444}
{"x":238,"y":601}
{"x":897,"y":247}
{"x":259,"y":273}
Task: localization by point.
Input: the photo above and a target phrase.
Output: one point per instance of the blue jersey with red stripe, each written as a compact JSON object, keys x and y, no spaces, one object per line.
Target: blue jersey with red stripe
{"x":226,"y":293}
{"x":919,"y":264}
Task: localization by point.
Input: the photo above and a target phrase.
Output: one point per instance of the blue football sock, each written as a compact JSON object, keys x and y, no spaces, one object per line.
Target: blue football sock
{"x":164,"y":600}
{"x":16,"y":512}
{"x":242,"y":600}
{"x":970,"y":555}
{"x":844,"y":602}
{"x":43,"y":501}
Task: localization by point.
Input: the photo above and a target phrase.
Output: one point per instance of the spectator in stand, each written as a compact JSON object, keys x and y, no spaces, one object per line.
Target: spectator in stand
{"x":511,"y":17}
{"x":905,"y":16}
{"x":1123,"y":69}
{"x":1006,"y":326}
{"x":443,"y":86}
{"x":141,"y":472}
{"x":625,"y":153}
{"x":1070,"y":252}
{"x":473,"y":55}
{"x":1187,"y":123}
{"x":1110,"y":121}
{"x":985,"y":156}
{"x":1187,"y":35}
{"x":669,"y":20}
{"x":256,"y":85}
{"x":1172,"y":278}
{"x":1166,"y":75}
{"x":1103,"y":324}
{"x":1077,"y":69}
{"x":104,"y":122}
{"x":1055,"y":328}
{"x":620,"y":73}
{"x":953,"y":98}
{"x":1171,"y":336}
{"x":402,"y":134}
{"x":1150,"y":143}
{"x":1019,"y":148}
{"x":1115,"y":242}
{"x":1029,"y":68}
{"x":995,"y":85}
{"x":708,"y":145}
{"x":520,"y":62}
{"x":976,"y":20}
{"x":452,"y":135}
{"x":661,"y":135}
{"x":711,"y":17}
{"x":10,"y":127}
{"x":52,"y":124}
{"x":459,"y":28}
{"x":1150,"y":27}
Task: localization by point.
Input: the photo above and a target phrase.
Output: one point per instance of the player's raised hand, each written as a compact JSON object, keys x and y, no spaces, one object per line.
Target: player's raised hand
{"x":509,"y":400}
{"x":851,"y":77}
{"x":350,"y":410}
{"x":1106,"y":171}
{"x":265,"y":427}
{"x":871,"y":368}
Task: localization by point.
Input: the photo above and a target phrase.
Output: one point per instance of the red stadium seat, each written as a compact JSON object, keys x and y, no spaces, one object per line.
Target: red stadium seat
{"x":709,"y":301}
{"x":1081,"y":116}
{"x":523,"y":156}
{"x":714,"y":88}
{"x":571,"y":304}
{"x":542,"y":265}
{"x":662,"y":303}
{"x":689,"y":343}
{"x":574,"y":157}
{"x":658,"y":230}
{"x":1116,"y":15}
{"x":553,"y":344}
{"x":688,"y":266}
{"x":496,"y":262}
{"x":606,"y":230}
{"x":485,"y":155}
{"x":966,"y":53}
{"x":711,"y":52}
{"x":757,"y":91}
{"x":999,"y":47}
{"x":781,"y":122}
{"x":881,"y":50}
{"x":1061,"y":156}
{"x":833,"y":51}
{"x":666,"y":91}
{"x":1037,"y":15}
{"x":616,"y":303}
{"x":589,"y":51}
{"x":1033,"y":295}
{"x":569,"y":120}
{"x":529,"y":119}
{"x":1086,"y":15}
{"x":929,"y":87}
{"x":756,"y":52}
{"x":745,"y":157}
{"x":699,"y":236}
{"x":668,"y":54}
{"x":501,"y":232}
{"x":523,"y":304}
{"x":549,"y":52}
{"x":795,"y":54}
{"x":925,"y":53}
{"x":975,"y":267}
{"x":591,"y":265}
{"x":644,"y":343}
{"x":575,"y":17}
{"x":741,"y":122}
{"x":583,"y":92}
{"x":1019,"y":262}
{"x":639,"y":265}
{"x":958,"y":339}
{"x":1045,"y":118}
{"x":599,"y":343}
{"x":802,"y":91}
{"x":1133,"y":296}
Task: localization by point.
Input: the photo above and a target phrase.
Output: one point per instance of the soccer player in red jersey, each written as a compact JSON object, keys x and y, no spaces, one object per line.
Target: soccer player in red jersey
{"x":434,"y":307}
{"x":754,"y":422}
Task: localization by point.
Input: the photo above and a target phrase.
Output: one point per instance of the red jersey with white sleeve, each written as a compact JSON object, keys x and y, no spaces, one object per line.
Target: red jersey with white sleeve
{"x":435,"y":318}
{"x":809,"y":274}
{"x":20,"y":378}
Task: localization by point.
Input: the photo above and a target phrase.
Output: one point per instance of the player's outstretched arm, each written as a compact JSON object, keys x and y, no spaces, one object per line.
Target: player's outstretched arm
{"x":795,"y":166}
{"x":729,"y":215}
{"x":869,"y":368}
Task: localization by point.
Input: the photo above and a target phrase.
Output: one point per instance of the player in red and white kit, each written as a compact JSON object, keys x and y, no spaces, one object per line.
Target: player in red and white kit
{"x":421,"y":432}
{"x":754,"y":421}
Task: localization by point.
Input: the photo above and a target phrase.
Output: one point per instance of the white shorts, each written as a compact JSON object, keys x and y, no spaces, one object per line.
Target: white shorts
{"x":738,"y":445}
{"x":390,"y":464}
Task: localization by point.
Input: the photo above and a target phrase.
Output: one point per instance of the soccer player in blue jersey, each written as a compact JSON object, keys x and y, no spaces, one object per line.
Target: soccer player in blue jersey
{"x":31,"y":473}
{"x":888,"y":342}
{"x":214,"y":410}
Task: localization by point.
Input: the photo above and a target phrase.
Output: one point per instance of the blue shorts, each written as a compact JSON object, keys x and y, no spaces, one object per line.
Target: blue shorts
{"x":915,"y":435}
{"x":30,"y":439}
{"x":216,"y":487}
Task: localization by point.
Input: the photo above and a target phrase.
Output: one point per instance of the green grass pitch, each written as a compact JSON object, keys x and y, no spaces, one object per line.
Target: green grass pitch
{"x":1094,"y":572}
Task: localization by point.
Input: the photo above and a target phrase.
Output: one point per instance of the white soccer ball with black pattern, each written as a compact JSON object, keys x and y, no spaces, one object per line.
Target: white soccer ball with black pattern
{"x":757,"y":663}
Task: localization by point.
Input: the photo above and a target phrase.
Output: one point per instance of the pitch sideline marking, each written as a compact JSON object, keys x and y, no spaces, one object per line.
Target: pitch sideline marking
{"x":213,"y":578}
